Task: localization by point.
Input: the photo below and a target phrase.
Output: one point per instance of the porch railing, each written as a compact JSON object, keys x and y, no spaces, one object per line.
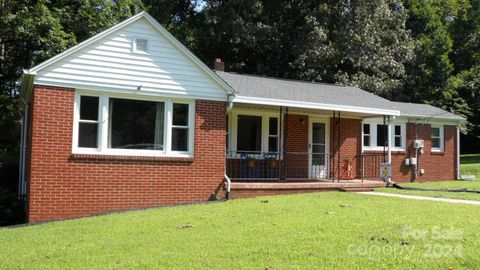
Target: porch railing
{"x":244,"y":165}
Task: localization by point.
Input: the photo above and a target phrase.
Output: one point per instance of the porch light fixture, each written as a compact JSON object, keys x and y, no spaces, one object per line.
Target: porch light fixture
{"x":302,"y":121}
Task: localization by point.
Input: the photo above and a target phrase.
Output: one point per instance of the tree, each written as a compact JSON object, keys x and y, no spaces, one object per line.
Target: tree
{"x":374,"y":45}
{"x":33,"y":31}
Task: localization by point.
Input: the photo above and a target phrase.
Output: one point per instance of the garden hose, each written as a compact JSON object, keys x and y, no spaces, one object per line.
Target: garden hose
{"x":437,"y":189}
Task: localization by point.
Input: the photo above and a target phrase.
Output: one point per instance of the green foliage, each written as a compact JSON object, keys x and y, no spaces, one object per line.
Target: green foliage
{"x":31,"y":32}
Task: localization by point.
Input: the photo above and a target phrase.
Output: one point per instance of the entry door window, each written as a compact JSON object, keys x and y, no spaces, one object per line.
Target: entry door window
{"x":318,"y":143}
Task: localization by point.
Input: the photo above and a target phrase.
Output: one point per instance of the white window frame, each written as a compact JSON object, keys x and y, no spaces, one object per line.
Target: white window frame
{"x":277,"y":136}
{"x":134,"y":45}
{"x":266,"y":115}
{"x":441,"y":138}
{"x":104,"y":126}
{"x":98,"y":122}
{"x":373,"y":135}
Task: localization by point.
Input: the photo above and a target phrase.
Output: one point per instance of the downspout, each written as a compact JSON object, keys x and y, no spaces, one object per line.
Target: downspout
{"x":228,"y":186}
{"x":228,"y":182}
{"x":23,"y":150}
{"x":458,"y":153}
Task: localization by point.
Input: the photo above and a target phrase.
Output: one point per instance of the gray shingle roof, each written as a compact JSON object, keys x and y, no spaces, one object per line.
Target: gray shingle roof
{"x":294,"y":90}
{"x":423,"y":111}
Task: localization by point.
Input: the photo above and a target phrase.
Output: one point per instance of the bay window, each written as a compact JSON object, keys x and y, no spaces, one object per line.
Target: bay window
{"x":124,"y":126}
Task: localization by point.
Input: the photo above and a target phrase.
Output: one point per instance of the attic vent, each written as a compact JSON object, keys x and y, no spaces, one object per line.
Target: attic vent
{"x":141,"y":45}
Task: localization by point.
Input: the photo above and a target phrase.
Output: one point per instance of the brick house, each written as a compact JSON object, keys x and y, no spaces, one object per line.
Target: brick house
{"x":131,"y":119}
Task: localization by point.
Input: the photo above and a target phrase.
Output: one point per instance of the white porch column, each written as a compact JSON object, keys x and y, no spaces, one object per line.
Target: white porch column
{"x":390,"y":120}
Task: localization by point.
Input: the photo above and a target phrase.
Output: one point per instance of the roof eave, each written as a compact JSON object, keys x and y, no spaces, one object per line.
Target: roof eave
{"x":424,"y":117}
{"x":313,"y":105}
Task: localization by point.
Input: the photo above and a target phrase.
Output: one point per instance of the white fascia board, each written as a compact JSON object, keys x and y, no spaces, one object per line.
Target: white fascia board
{"x":312,"y":105}
{"x":427,"y":118}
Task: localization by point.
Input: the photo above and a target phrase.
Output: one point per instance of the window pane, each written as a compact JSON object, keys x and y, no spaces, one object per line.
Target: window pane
{"x":180,"y":139}
{"x":273,"y":144}
{"x":398,"y":141}
{"x":435,"y":142}
{"x":398,"y":130}
{"x":136,"y":124}
{"x":180,"y":114}
{"x":366,"y":140}
{"x":249,"y":133}
{"x":87,"y":135}
{"x":435,"y":132}
{"x":382,"y":135}
{"x":318,"y":148}
{"x":366,"y":128}
{"x":273,"y":126}
{"x":318,"y":133}
{"x":88,"y":108}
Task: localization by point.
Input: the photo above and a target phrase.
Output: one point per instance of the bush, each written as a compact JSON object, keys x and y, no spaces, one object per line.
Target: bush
{"x":12,"y":209}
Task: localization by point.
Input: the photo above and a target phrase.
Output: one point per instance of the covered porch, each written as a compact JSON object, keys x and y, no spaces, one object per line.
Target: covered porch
{"x":295,"y":148}
{"x":287,"y":136}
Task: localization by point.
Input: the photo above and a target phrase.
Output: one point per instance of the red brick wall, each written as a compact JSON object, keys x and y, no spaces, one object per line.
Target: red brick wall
{"x":349,"y":145}
{"x":437,"y":166}
{"x":62,"y":185}
{"x":297,"y":146}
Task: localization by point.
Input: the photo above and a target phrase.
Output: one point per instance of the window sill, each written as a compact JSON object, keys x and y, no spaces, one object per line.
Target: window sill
{"x":437,"y":152}
{"x":106,"y":157}
{"x":394,"y":150}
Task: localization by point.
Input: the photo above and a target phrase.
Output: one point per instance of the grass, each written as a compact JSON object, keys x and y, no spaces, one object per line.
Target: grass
{"x":470,"y":164}
{"x":310,"y":231}
{"x":475,"y":185}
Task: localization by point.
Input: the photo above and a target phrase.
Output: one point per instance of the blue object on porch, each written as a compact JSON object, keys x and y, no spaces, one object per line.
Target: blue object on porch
{"x":246,"y":170}
{"x":271,"y":158}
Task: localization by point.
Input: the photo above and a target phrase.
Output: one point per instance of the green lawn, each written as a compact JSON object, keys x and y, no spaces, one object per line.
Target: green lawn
{"x":328,"y":230}
{"x":470,"y":164}
{"x":475,"y":185}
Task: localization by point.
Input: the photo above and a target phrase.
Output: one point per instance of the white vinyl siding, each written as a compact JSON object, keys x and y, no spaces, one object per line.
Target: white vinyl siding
{"x":111,"y":64}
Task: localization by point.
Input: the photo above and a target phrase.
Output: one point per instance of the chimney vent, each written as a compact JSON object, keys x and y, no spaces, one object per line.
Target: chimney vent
{"x":218,"y":65}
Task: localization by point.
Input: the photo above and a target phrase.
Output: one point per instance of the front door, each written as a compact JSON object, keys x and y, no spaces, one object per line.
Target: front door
{"x":318,"y":146}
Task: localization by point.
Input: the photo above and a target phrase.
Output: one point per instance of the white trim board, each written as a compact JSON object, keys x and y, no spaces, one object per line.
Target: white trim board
{"x":313,"y":105}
